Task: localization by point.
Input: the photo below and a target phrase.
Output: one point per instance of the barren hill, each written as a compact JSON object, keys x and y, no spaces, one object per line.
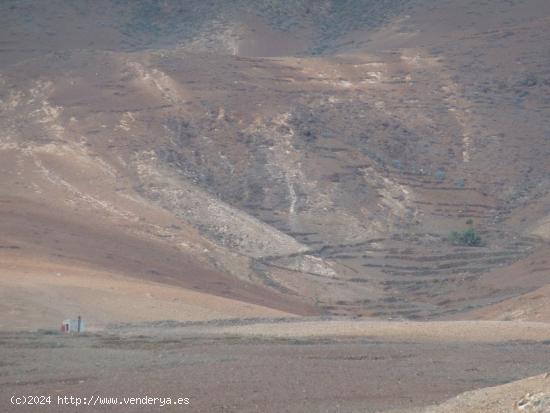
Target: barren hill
{"x":310,"y":157}
{"x":276,"y":205}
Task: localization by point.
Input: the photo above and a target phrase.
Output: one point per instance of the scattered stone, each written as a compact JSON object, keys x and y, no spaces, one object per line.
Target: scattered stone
{"x":534,"y":403}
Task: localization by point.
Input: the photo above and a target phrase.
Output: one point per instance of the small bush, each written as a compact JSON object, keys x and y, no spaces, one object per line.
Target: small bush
{"x":460,"y":183}
{"x":468,"y":237}
{"x":440,"y":175}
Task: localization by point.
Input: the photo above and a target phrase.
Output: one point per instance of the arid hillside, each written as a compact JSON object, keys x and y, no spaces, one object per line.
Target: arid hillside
{"x":310,"y":206}
{"x":306,"y":157}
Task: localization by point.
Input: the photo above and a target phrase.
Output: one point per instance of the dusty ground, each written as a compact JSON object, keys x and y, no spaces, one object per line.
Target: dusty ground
{"x":309,"y":372}
{"x":533,"y":306}
{"x":431,"y":331}
{"x":38,"y":296}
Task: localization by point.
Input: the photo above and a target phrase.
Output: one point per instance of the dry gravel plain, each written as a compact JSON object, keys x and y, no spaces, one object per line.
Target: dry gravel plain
{"x":279,"y":365}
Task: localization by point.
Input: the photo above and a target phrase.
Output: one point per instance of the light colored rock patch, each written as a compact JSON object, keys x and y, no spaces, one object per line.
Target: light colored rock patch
{"x":283,"y":159}
{"x":222,"y":223}
{"x":534,"y":403}
{"x":531,"y":395}
{"x":125,"y":121}
{"x":157,"y":80}
{"x":222,"y":36}
{"x":396,"y":200}
{"x":307,"y":264}
{"x":542,"y":228}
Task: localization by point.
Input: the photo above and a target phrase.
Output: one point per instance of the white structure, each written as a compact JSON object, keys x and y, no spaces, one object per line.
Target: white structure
{"x":73,"y":326}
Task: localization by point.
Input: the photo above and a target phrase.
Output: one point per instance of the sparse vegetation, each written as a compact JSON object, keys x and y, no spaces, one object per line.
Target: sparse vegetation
{"x":440,"y":175}
{"x":468,"y":237}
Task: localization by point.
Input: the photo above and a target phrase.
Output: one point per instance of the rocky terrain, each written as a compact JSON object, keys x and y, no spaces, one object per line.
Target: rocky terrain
{"x":208,"y":160}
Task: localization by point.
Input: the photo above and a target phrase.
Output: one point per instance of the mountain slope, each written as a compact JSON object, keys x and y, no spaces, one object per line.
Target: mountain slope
{"x":324,"y":175}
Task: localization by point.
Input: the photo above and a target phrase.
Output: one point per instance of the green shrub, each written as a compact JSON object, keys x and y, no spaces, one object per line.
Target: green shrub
{"x":468,"y":237}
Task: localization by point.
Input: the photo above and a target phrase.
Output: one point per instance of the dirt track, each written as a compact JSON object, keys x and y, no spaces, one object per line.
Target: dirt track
{"x":432,"y":331}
